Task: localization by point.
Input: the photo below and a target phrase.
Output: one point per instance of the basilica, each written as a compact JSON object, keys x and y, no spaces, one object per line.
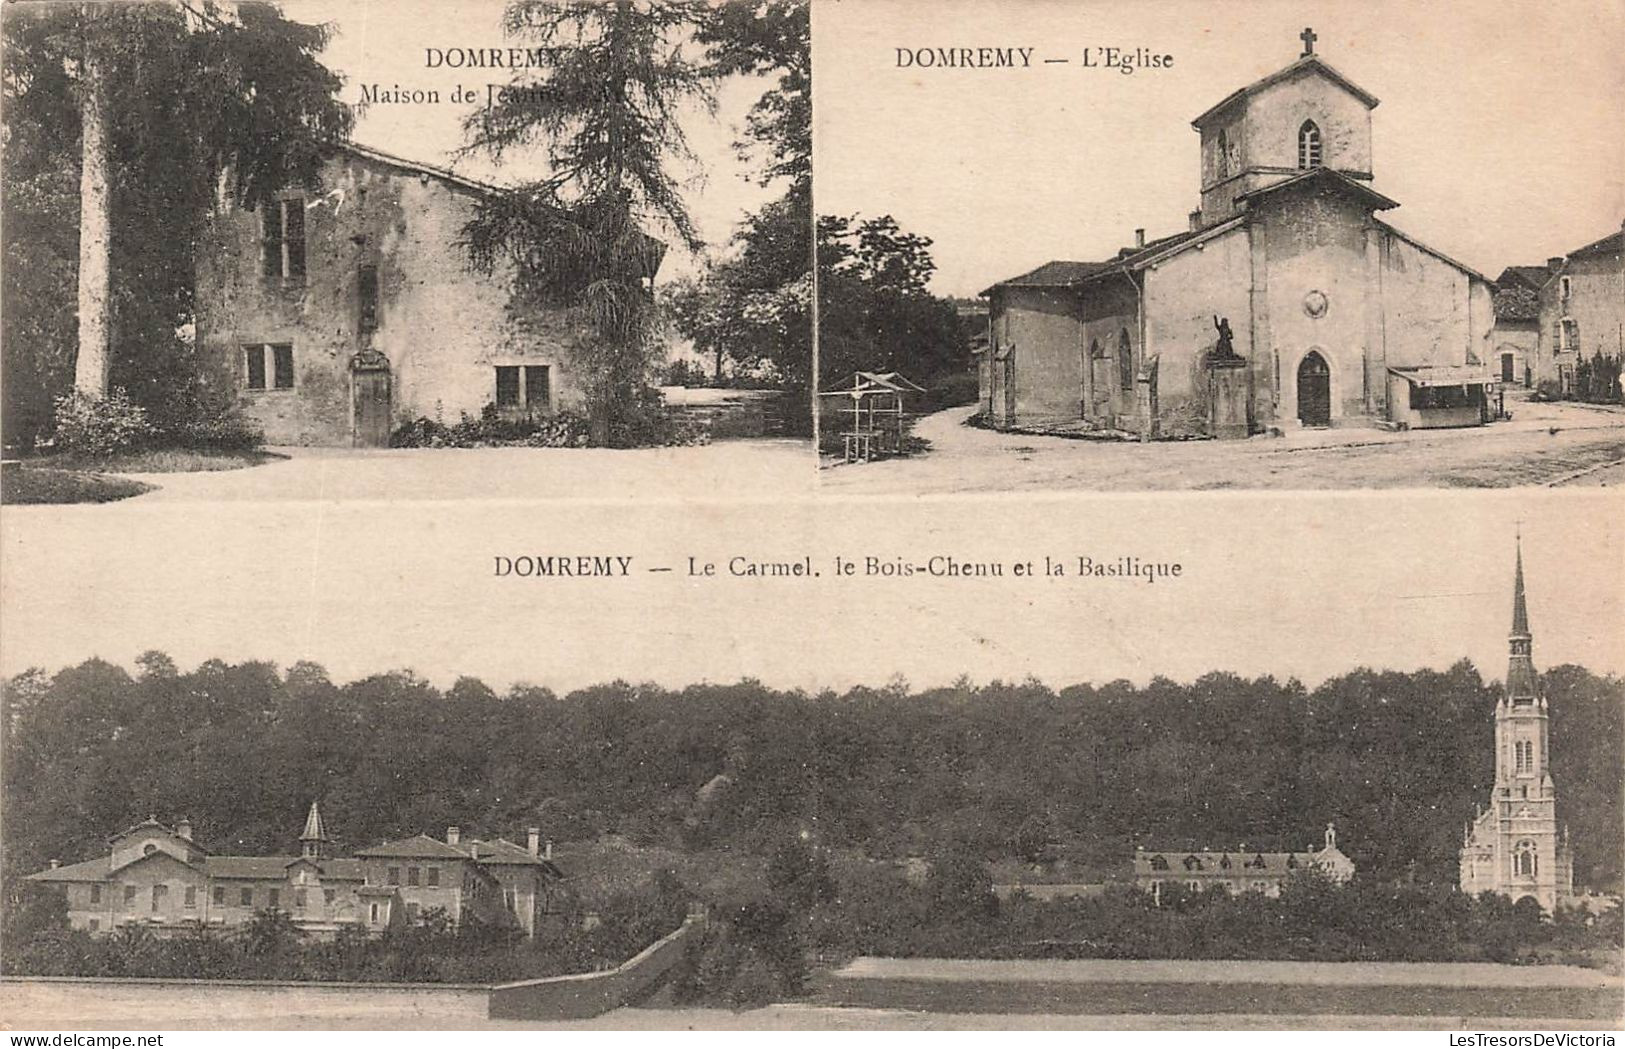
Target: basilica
{"x":1288,"y":301}
{"x":1514,"y":847}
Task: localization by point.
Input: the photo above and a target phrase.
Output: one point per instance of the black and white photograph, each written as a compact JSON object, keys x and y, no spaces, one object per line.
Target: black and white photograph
{"x":977,"y":519}
{"x":1182,"y":245}
{"x":343,"y":249}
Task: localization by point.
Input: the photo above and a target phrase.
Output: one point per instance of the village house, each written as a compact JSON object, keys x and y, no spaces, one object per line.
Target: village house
{"x":1515,"y":341}
{"x":1286,"y":302}
{"x":1237,"y":870}
{"x":1582,"y":311}
{"x":157,"y":877}
{"x":339,"y":311}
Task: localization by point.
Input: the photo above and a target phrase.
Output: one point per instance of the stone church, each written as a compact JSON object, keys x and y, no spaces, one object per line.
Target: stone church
{"x":1287,"y":302}
{"x":1514,"y":847}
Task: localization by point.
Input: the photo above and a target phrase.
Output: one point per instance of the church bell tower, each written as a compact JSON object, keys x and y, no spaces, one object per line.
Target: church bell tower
{"x":1514,"y":847}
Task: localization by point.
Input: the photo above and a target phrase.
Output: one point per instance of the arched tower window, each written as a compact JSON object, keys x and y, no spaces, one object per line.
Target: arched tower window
{"x":1222,"y":167}
{"x":1308,"y":146}
{"x":1125,"y":362}
{"x":1524,"y":752}
{"x":1524,"y":863}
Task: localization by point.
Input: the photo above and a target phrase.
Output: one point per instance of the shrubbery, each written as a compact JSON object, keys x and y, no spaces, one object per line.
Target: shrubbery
{"x":99,"y":426}
{"x":648,"y":426}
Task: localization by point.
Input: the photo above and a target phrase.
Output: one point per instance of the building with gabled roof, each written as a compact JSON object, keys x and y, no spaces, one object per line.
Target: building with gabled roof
{"x":1287,"y":301}
{"x":1582,"y":314}
{"x":1237,"y":870}
{"x":157,"y":877}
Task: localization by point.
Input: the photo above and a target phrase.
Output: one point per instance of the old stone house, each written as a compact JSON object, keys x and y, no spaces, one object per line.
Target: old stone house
{"x":1582,"y":310}
{"x":157,"y":877}
{"x":1515,"y":342}
{"x":1237,"y":870}
{"x":339,"y":311}
{"x":1330,"y":315}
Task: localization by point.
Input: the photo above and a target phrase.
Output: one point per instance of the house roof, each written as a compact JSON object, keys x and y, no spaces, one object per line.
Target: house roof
{"x":1516,"y":302}
{"x":1304,"y":66}
{"x":89,"y":870}
{"x":503,"y":851}
{"x":152,"y":823}
{"x":1531,"y":277}
{"x":1073,"y":274}
{"x":1442,"y":375}
{"x":275,"y":868}
{"x":1612,"y":244}
{"x":1240,"y":863}
{"x":420,"y":846}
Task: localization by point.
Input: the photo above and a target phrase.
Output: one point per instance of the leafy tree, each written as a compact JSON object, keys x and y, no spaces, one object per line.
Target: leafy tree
{"x":150,"y":104}
{"x":605,"y":113}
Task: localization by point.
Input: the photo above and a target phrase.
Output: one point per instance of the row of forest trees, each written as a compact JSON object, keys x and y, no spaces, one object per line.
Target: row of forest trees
{"x":1399,"y":760}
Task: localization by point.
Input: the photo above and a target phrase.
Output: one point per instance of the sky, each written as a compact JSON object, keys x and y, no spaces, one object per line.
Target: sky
{"x":386,"y":43}
{"x":1498,"y":128}
{"x":1292,"y":585}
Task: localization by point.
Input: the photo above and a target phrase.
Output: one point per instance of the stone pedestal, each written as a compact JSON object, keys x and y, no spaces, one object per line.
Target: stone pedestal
{"x":1227,"y":396}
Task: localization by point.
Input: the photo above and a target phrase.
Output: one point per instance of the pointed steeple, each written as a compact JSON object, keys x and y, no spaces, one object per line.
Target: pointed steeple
{"x":313,"y":842}
{"x":1520,"y":643}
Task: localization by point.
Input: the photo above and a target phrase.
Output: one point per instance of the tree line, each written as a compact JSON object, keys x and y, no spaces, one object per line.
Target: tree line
{"x":1400,"y":761}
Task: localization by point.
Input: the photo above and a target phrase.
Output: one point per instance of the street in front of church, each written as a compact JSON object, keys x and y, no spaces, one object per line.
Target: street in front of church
{"x":1544,"y":443}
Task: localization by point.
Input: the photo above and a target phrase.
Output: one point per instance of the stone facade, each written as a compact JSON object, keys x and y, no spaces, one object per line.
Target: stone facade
{"x":157,"y":877}
{"x":1325,"y":300}
{"x":348,"y":308}
{"x":1237,"y":870}
{"x":1513,"y":847}
{"x":1582,"y":310}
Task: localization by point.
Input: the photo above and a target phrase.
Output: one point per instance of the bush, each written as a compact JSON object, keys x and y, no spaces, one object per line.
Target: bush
{"x":223,"y":429}
{"x":949,"y":391}
{"x":99,"y":426}
{"x":491,"y":430}
{"x":1548,"y":390}
{"x":686,"y":373}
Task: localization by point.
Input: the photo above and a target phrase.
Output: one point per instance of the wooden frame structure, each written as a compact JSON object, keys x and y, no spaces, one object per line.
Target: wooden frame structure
{"x":874,"y":424}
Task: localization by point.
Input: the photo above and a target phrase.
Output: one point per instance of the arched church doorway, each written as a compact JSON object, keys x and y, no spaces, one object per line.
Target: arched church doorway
{"x":1314,"y":390}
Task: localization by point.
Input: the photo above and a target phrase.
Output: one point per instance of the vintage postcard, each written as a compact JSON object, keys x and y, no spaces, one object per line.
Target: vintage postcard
{"x":657,"y":515}
{"x":1193,"y":245}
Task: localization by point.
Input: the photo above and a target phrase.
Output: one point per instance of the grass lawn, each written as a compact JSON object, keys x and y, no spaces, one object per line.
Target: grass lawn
{"x":32,"y":484}
{"x":159,"y":461}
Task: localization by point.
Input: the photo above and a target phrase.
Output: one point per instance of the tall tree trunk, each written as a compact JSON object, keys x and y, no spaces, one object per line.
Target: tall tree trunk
{"x":95,"y":220}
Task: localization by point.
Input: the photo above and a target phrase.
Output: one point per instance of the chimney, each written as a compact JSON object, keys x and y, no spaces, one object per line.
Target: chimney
{"x":1554,"y":264}
{"x":55,"y":864}
{"x":533,"y":841}
{"x":1139,"y":237}
{"x":184,"y":829}
{"x":1195,"y":220}
{"x":453,"y":834}
{"x":547,"y":850}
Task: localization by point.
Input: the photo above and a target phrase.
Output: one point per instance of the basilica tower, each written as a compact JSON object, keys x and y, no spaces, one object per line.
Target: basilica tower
{"x":1514,"y":847}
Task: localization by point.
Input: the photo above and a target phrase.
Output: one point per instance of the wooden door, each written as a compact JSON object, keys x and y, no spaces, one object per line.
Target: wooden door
{"x":1507,"y":375}
{"x":370,"y":392}
{"x":1314,"y":391}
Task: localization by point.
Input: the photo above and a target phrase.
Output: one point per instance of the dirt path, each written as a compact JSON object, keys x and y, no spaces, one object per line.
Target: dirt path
{"x":1544,"y":443}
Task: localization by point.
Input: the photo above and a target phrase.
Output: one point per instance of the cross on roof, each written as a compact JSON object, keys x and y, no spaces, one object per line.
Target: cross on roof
{"x":1308,"y":37}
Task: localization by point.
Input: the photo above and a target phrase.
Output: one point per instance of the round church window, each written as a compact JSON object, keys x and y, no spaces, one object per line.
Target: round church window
{"x":1315,"y":304}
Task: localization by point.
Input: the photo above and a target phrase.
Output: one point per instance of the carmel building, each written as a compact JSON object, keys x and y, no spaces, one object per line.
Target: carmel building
{"x":1288,"y":301}
{"x":1238,"y":870}
{"x":159,"y":878}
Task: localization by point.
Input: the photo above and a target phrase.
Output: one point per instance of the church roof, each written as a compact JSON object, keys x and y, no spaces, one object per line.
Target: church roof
{"x":1332,"y":179}
{"x":419,"y":847}
{"x":89,"y":870}
{"x":1520,"y":607}
{"x":1304,"y":66}
{"x":313,"y":825}
{"x":275,"y":868}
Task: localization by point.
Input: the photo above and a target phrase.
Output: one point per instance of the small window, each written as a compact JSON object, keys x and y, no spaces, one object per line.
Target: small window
{"x":191,"y":896}
{"x":1222,"y":149}
{"x":328,"y":896}
{"x":411,"y":912}
{"x":160,"y":893}
{"x":282,"y":239}
{"x":1563,"y":288}
{"x":367,"y":289}
{"x":507,"y":386}
{"x":1158,"y":863}
{"x":508,"y":898}
{"x":95,"y":894}
{"x":246,"y":897}
{"x":282,"y":366}
{"x":149,"y":849}
{"x":95,"y":924}
{"x":537,"y":382}
{"x":1308,"y":146}
{"x":372,"y":913}
{"x":220,"y":895}
{"x":394,"y":876}
{"x":254,"y":358}
{"x":129,"y":895}
{"x":1192,"y":863}
{"x":413,"y":875}
{"x":433,"y":874}
{"x":299,"y":899}
{"x":275,"y":900}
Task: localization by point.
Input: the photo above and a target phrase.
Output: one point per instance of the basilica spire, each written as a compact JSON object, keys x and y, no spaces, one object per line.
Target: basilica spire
{"x":1520,"y":661}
